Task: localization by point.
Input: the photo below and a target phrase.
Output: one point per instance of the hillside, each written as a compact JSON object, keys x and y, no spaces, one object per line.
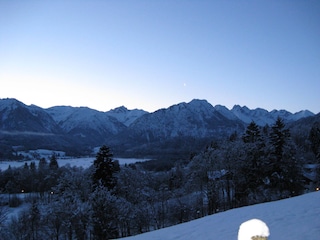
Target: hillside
{"x":296,"y":218}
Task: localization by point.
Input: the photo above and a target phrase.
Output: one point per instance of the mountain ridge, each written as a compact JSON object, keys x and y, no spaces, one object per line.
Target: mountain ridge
{"x":127,"y":117}
{"x":81,"y":127}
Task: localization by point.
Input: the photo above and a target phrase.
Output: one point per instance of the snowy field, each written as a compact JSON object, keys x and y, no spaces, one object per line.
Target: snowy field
{"x":296,"y":218}
{"x":78,"y":162}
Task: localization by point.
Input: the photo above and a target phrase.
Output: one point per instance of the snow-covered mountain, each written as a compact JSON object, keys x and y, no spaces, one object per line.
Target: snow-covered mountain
{"x":175,"y":131}
{"x":29,"y":127}
{"x":91,"y":127}
{"x":296,"y":218}
{"x":17,"y":117}
{"x":125,"y":116}
{"x":263,"y":117}
{"x":183,"y":125}
{"x":197,"y":118}
{"x":73,"y":119}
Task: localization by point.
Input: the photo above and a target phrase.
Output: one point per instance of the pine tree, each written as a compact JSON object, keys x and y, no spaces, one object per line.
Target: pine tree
{"x":278,"y":137}
{"x":104,"y":169}
{"x":252,"y":168}
{"x":53,"y":165}
{"x":314,"y":137}
{"x":252,"y":133}
{"x":285,"y":170}
{"x":42,"y":163}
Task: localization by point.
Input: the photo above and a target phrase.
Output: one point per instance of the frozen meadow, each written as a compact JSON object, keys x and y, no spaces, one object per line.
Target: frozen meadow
{"x":296,"y":218}
{"x":83,"y":162}
{"x":62,"y":159}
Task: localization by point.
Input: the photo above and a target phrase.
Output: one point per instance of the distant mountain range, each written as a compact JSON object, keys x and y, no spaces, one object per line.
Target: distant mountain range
{"x":77,"y":130}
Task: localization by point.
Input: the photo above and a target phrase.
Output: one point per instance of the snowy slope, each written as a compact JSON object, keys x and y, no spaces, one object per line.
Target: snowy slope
{"x":301,"y":114}
{"x":71,"y":118}
{"x":295,"y":219}
{"x":60,"y":113}
{"x":226,"y":112}
{"x":259,"y":116}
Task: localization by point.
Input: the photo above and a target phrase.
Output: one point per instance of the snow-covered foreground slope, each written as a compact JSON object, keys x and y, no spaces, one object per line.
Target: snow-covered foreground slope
{"x":296,"y":218}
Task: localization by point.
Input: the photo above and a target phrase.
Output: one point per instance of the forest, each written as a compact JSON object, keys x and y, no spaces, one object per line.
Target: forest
{"x":108,"y":201}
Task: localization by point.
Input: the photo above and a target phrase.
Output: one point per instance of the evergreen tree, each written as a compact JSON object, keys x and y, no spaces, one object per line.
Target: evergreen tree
{"x":253,"y":167}
{"x":252,"y":133}
{"x":285,"y":170}
{"x":266,"y":130}
{"x":33,"y":167}
{"x":43,"y":164}
{"x":24,"y":178}
{"x":26,"y":166}
{"x":104,"y":169}
{"x":41,"y":180}
{"x":233,"y":137}
{"x":314,"y":137}
{"x":278,"y":137}
{"x":53,"y":165}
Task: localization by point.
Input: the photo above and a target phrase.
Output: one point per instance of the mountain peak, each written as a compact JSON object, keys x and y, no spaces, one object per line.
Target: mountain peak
{"x":199,"y":102}
{"x":125,"y":116}
{"x":239,"y":108}
{"x":9,"y":102}
{"x":121,"y":109}
{"x":194,"y":106}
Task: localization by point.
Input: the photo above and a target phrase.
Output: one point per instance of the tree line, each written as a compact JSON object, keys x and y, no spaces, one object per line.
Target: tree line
{"x":108,"y":201}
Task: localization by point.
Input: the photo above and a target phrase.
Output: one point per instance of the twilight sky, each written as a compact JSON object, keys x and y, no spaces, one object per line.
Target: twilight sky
{"x":152,"y":54}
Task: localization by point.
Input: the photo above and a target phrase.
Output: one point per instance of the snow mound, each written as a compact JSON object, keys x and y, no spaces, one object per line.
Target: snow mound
{"x":252,"y":228}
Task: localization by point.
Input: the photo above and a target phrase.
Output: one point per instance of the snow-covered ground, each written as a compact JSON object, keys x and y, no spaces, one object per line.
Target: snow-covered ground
{"x":77,"y":162}
{"x":296,"y":218}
